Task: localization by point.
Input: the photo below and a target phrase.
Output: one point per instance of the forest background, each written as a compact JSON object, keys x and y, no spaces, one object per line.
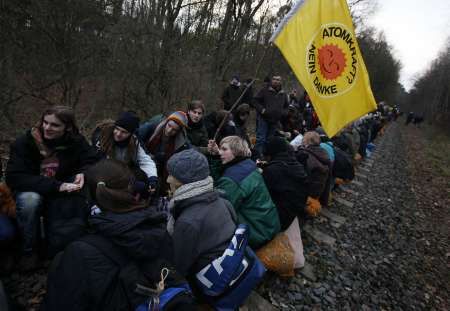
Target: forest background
{"x":104,"y":56}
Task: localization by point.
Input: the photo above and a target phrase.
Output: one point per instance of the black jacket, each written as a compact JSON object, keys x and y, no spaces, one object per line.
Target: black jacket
{"x":212,"y":122}
{"x":203,"y":229}
{"x":23,"y":169}
{"x":85,"y":278}
{"x":275,"y":103}
{"x":230,"y":96}
{"x":286,"y":180}
{"x":317,"y":164}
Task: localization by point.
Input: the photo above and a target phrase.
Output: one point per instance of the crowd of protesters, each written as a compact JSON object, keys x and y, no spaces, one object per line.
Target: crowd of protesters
{"x":184,"y":200}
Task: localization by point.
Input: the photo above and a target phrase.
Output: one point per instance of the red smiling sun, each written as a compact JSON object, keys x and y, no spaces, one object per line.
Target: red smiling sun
{"x":331,"y":61}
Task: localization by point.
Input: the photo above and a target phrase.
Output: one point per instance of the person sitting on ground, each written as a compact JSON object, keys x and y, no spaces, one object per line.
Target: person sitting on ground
{"x":129,"y":245}
{"x":356,"y":142}
{"x":326,"y":144}
{"x":286,"y":180}
{"x":46,"y":162}
{"x":244,"y":187}
{"x":203,"y":226}
{"x":197,"y":132}
{"x":363,"y":131}
{"x":344,"y":141}
{"x":117,"y":140}
{"x":196,"y":241}
{"x":162,"y":140}
{"x":317,"y":164}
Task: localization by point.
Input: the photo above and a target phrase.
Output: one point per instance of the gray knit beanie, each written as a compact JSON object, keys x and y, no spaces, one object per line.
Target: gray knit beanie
{"x":188,"y":166}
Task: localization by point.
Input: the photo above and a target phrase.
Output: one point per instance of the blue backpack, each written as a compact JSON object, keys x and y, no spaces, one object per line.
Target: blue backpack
{"x":228,"y":280}
{"x":168,"y":299}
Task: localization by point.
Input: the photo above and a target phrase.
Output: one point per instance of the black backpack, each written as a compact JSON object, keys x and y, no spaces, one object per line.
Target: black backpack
{"x":132,"y":283}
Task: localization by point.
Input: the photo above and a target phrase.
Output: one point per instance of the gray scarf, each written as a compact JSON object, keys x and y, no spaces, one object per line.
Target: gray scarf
{"x":187,"y":191}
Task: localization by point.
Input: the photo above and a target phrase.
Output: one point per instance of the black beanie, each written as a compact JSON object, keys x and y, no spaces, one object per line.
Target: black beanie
{"x":129,"y":121}
{"x":276,"y":145}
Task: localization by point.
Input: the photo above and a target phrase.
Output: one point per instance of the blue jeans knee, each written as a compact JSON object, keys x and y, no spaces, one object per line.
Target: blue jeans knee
{"x":28,"y":209}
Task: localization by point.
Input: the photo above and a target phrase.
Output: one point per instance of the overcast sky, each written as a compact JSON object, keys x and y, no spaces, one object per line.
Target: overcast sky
{"x":417,"y":29}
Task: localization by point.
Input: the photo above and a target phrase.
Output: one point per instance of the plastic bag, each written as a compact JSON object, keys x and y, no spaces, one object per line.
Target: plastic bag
{"x":295,"y":240}
{"x":285,"y":252}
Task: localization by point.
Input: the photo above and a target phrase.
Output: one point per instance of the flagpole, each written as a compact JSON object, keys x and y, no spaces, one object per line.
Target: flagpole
{"x":243,"y":93}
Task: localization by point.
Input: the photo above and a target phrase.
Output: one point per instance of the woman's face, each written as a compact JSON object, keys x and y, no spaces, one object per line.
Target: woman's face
{"x":196,"y":115}
{"x":171,"y":129}
{"x":225,"y":153}
{"x":120,"y":134}
{"x":53,"y":128}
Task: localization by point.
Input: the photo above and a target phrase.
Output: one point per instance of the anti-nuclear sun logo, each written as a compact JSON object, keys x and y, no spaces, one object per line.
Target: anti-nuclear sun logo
{"x":331,"y":60}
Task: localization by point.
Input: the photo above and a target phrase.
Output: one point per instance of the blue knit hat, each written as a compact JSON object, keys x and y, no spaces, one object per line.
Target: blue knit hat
{"x":188,"y":166}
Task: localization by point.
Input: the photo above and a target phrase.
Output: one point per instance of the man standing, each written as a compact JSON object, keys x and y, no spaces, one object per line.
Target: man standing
{"x":231,"y":93}
{"x":271,"y":104}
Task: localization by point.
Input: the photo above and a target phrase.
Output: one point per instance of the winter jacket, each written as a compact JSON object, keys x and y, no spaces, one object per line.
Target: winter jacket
{"x":23,"y":169}
{"x":139,"y":159}
{"x":344,"y":143}
{"x":351,"y":143}
{"x":343,"y":165}
{"x":274,"y":103}
{"x":230,"y":95}
{"x":197,"y":135}
{"x":212,"y":122}
{"x":84,"y":278}
{"x":241,"y":125}
{"x":244,"y":187}
{"x":150,"y":135}
{"x":317,"y":164}
{"x":147,"y":129}
{"x":286,"y":180}
{"x":328,"y":147}
{"x":356,"y":139}
{"x":203,"y":229}
{"x":364,"y":138}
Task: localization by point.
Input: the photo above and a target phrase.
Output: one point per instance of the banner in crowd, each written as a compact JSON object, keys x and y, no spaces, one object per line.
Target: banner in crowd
{"x":318,"y":41}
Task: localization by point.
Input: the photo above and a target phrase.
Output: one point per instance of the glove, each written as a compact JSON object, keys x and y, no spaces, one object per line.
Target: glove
{"x":153,"y":182}
{"x":313,"y":207}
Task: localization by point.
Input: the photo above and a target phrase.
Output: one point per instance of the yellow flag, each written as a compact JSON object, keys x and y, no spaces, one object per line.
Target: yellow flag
{"x":318,"y":40}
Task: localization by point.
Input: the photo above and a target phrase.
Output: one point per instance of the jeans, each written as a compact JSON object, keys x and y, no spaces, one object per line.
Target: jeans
{"x":7,"y":230}
{"x":28,"y":209}
{"x":263,"y":131}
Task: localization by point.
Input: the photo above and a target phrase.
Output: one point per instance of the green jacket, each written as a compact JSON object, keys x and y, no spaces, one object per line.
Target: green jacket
{"x":244,"y":187}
